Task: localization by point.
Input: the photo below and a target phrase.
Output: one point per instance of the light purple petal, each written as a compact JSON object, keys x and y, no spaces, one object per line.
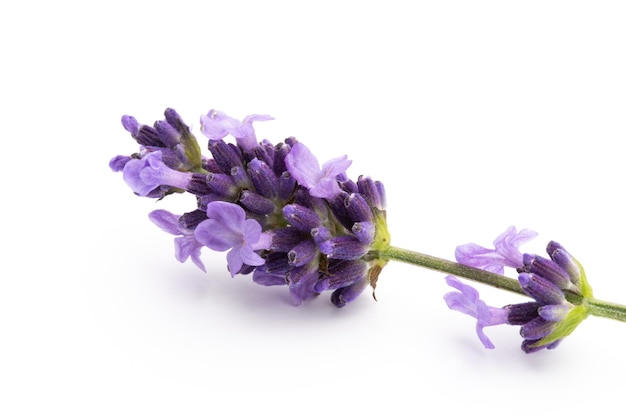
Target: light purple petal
{"x":336,"y":166}
{"x":226,"y":213}
{"x":467,"y":301}
{"x":216,"y":125}
{"x":218,"y":236}
{"x":305,"y":168}
{"x":302,"y":165}
{"x":187,"y":246}
{"x":235,"y":260}
{"x":505,"y":253}
{"x":167,"y":221}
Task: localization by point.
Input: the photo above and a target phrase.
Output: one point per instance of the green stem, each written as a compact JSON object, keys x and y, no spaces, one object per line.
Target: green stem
{"x":453,"y":268}
{"x":601,"y":308}
{"x":595,"y":307}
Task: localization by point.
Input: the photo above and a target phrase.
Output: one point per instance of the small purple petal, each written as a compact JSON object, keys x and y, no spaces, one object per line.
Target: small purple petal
{"x":505,"y":253}
{"x":304,"y":167}
{"x":216,"y":125}
{"x":467,"y":301}
{"x":227,"y":228}
{"x":186,"y":245}
{"x":117,"y":163}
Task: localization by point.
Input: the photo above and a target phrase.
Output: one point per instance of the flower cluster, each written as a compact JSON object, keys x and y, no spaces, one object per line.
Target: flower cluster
{"x":557,"y":285}
{"x":279,"y":215}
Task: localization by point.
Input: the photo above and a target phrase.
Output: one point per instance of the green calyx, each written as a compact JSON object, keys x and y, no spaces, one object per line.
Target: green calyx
{"x":566,"y":326}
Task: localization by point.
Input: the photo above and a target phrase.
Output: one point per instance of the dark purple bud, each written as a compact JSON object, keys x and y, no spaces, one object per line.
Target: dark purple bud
{"x":130,"y":124}
{"x":343,"y":247}
{"x":205,"y":199}
{"x":346,"y":184}
{"x":537,"y":328}
{"x":211,"y":166}
{"x":528,"y":345}
{"x":276,"y":264}
{"x":226,"y":155}
{"x":358,"y":209}
{"x":264,"y":152}
{"x":566,"y":261}
{"x":240,"y":178}
{"x":174,"y":119}
{"x":364,"y":231}
{"x":191,"y":219}
{"x":303,"y":253}
{"x":300,"y":217}
{"x":263,"y":178}
{"x":547,"y":269}
{"x":168,"y":135}
{"x":373,"y":191}
{"x":286,"y":185}
{"x":542,"y":290}
{"x":344,"y":295}
{"x":341,"y":274}
{"x":222,"y":184}
{"x":320,"y":234}
{"x":286,"y":238}
{"x":522,"y":313}
{"x":302,"y":280}
{"x":280,"y":151}
{"x":148,"y":136}
{"x":338,"y":206}
{"x":198,"y":184}
{"x":256,"y":203}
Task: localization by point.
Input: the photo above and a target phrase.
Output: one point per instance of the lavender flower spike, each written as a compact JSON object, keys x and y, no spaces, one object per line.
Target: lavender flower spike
{"x":227,"y":228}
{"x":186,"y":245}
{"x":467,"y":301}
{"x":216,"y":125}
{"x":506,"y":252}
{"x":321,"y":182}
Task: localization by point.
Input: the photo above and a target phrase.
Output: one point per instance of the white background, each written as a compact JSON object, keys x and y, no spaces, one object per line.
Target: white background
{"x":475,"y":114}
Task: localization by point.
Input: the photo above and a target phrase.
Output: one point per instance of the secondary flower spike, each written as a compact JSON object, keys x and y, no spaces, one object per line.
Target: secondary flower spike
{"x":546,"y":320}
{"x":279,"y":215}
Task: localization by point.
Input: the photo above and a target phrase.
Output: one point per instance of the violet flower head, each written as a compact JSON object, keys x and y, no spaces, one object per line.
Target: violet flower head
{"x":467,"y":301}
{"x":551,"y":316}
{"x":216,"y":125}
{"x":321,"y":182}
{"x":504,"y":254}
{"x":279,"y":215}
{"x":227,"y":228}
{"x":186,"y":244}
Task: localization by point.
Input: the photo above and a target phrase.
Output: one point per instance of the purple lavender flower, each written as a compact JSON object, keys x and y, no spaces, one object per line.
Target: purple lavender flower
{"x":546,"y":320}
{"x":321,"y":182}
{"x":216,"y":125}
{"x":467,"y":301}
{"x":186,"y":245}
{"x":505,"y":252}
{"x":145,"y":174}
{"x":227,"y":228}
{"x":278,"y":214}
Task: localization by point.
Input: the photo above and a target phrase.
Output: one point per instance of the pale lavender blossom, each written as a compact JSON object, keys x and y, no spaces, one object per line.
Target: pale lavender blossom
{"x":227,"y":228}
{"x":321,"y":182}
{"x":186,"y":244}
{"x":145,"y":174}
{"x":216,"y":125}
{"x":505,"y":252}
{"x":467,"y":301}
